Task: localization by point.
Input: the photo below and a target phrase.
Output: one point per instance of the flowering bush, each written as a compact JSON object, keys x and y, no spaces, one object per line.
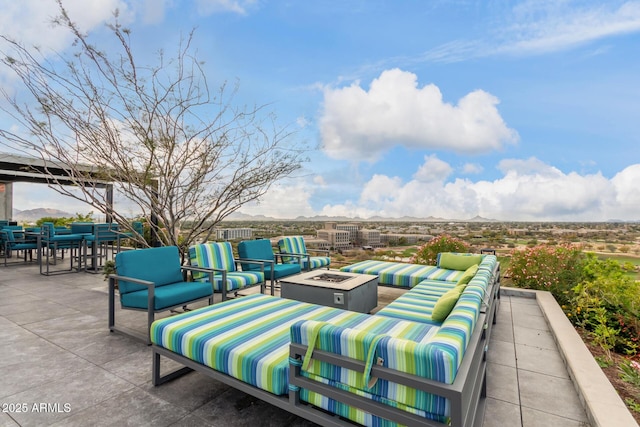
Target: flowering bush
{"x":556,"y":269}
{"x":428,"y":252}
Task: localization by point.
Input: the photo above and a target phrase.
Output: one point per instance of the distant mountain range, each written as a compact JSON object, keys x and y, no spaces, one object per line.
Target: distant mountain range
{"x":237,"y":216}
{"x":32,"y":215}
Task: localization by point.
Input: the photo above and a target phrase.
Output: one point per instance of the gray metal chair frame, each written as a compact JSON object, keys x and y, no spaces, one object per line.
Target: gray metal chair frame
{"x":150,"y":301}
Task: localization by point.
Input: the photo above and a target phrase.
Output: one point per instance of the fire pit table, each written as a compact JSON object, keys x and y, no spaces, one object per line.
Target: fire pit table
{"x":349,"y":291}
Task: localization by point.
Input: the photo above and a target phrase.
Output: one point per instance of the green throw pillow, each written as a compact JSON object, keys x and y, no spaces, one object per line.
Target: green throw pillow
{"x":468,"y":275}
{"x":451,"y":261}
{"x":445,"y":304}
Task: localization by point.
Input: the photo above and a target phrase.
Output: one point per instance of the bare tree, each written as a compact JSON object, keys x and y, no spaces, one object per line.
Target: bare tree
{"x":180,"y":152}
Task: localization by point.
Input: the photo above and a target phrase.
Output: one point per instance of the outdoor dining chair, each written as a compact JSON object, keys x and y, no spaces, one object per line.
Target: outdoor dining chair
{"x":12,"y":243}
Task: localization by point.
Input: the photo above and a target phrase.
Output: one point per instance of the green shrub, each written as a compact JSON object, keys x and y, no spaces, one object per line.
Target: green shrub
{"x":606,"y":288}
{"x":427,"y":253}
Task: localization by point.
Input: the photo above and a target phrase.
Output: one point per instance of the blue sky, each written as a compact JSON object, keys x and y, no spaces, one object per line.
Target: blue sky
{"x":511,"y":110}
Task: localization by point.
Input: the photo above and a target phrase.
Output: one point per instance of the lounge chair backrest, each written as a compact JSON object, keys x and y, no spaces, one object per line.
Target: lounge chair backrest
{"x":255,"y":249}
{"x":212,"y":255}
{"x":159,"y":265}
{"x":292,"y":245}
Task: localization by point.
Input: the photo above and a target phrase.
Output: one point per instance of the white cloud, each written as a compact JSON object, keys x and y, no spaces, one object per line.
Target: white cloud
{"x":433,"y":169}
{"x":627,"y":194}
{"x":552,"y":26}
{"x":536,"y":27}
{"x":285,"y":201}
{"x":360,"y":125}
{"x":29,"y":21}
{"x":472,"y":168}
{"x":530,"y":190}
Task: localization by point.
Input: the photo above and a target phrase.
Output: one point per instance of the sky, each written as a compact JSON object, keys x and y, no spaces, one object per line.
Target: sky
{"x":509,"y":110}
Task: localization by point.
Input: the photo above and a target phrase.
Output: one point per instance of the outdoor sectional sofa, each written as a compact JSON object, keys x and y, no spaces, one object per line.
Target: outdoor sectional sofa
{"x":396,"y":367}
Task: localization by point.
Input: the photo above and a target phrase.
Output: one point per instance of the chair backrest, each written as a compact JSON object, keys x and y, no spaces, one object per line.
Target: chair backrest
{"x":106,"y":232}
{"x":159,"y":265}
{"x":138,"y":227}
{"x":7,"y":235}
{"x":48,"y":229}
{"x":211,"y":255}
{"x":293,"y":245}
{"x":255,"y":249}
{"x":82,"y":227}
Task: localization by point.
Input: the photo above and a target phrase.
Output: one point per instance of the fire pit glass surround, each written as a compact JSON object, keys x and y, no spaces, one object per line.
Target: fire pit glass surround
{"x":330,"y":278}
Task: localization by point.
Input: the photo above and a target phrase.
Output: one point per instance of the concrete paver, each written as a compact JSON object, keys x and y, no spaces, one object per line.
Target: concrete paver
{"x":57,"y":349}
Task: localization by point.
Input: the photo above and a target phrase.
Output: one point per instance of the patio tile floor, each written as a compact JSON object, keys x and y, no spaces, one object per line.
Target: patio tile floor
{"x":57,"y":351}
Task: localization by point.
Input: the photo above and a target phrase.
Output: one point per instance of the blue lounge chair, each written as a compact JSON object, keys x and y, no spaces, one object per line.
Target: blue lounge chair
{"x":218,"y":257}
{"x":295,"y":246}
{"x":153,"y":280}
{"x":261,"y":250}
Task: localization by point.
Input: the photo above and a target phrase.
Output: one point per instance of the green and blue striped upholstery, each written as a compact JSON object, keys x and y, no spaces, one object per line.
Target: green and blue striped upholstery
{"x":296,"y":245}
{"x":220,"y":255}
{"x":418,"y":304}
{"x":438,"y":358}
{"x":402,"y":274}
{"x":248,"y":338}
{"x":357,"y":415}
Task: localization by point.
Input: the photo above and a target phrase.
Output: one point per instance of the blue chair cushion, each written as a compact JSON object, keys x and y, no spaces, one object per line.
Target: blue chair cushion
{"x":158,"y":265}
{"x":66,"y":237}
{"x":281,"y":270}
{"x":22,"y":246}
{"x":168,"y":295}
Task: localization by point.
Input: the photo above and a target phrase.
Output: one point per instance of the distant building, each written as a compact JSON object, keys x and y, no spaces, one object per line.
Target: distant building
{"x":233,"y":233}
{"x":352,"y":229}
{"x":337,"y":239}
{"x":369,"y":238}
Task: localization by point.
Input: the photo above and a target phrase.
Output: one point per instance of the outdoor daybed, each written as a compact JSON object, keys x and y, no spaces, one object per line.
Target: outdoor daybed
{"x":401,"y":366}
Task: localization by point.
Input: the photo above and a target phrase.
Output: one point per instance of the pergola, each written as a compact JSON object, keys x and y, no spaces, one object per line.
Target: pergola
{"x":16,"y":168}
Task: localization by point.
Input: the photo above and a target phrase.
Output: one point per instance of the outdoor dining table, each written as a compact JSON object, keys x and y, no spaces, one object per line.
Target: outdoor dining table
{"x":44,"y":242}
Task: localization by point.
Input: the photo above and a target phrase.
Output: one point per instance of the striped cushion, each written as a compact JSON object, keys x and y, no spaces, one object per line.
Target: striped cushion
{"x":236,"y":280}
{"x":248,"y":338}
{"x":402,"y":274}
{"x":418,"y":304}
{"x":296,"y":245}
{"x":316,"y":262}
{"x":426,"y":359}
{"x":437,"y":358}
{"x":357,"y":415}
{"x":211,"y":255}
{"x":292,"y":245}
